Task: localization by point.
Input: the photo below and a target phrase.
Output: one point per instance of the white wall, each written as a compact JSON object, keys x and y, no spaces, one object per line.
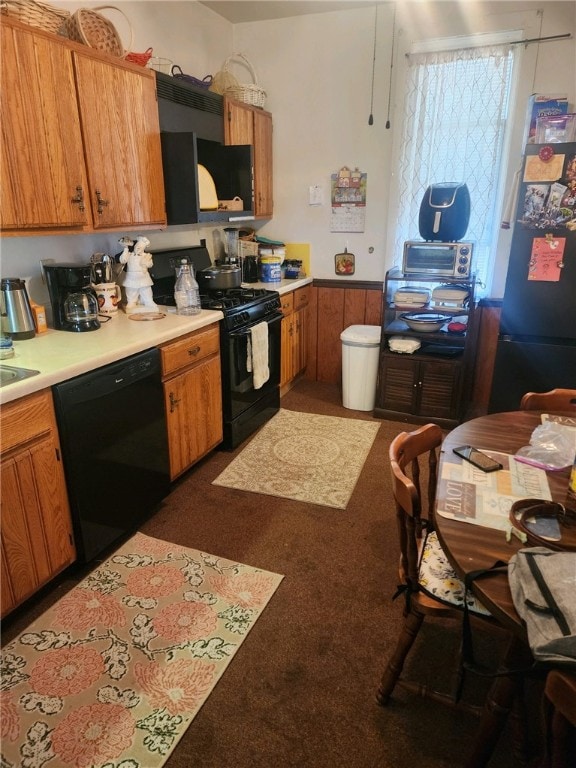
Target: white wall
{"x":317,"y":71}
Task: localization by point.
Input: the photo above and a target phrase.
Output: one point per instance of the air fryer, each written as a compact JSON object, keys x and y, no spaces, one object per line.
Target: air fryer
{"x":445,"y":212}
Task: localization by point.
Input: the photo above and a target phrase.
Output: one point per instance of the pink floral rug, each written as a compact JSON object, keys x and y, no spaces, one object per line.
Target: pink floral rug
{"x":114,"y":673}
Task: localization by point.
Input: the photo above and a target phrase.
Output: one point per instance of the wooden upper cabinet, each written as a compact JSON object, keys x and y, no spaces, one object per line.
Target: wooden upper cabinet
{"x":80,"y":138}
{"x":245,"y":124}
{"x":238,"y":123}
{"x":263,"y":199}
{"x":119,"y":116}
{"x":42,"y":155}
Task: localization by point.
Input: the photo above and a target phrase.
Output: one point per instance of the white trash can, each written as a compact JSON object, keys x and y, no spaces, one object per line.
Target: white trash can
{"x":360,"y":353}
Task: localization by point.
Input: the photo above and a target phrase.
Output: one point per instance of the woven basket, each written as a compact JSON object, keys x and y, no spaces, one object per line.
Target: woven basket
{"x":223,"y":79}
{"x":250,"y":93}
{"x":176,"y":72}
{"x":88,"y":26}
{"x":236,"y":204}
{"x":140,"y":58}
{"x":35,"y":14}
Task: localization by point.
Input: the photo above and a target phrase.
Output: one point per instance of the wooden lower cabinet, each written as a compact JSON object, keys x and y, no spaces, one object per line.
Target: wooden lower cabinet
{"x":193,"y":397}
{"x":36,"y":528}
{"x":423,"y":389}
{"x":294,"y":334}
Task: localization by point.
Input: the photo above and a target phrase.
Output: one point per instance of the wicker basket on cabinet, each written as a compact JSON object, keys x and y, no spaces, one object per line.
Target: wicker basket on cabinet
{"x":35,"y":14}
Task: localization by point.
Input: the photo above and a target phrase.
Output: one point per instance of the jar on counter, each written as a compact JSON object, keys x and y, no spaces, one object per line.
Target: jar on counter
{"x":186,"y":291}
{"x":293,"y":269}
{"x":270,"y":269}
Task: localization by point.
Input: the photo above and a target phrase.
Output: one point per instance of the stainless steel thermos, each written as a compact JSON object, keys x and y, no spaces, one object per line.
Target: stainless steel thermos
{"x":17,"y":317}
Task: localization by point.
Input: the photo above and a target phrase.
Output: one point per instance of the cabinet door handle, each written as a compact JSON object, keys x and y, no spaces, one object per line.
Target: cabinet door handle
{"x":79,"y":199}
{"x":194,"y":351}
{"x":101,"y":202}
{"x":173,"y":402}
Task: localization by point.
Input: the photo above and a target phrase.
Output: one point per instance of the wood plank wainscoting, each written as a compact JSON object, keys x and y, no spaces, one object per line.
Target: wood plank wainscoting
{"x":489,"y":311}
{"x":334,"y":306}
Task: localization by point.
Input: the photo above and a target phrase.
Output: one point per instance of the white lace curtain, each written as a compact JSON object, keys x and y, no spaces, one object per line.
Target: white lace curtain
{"x":455,"y":113}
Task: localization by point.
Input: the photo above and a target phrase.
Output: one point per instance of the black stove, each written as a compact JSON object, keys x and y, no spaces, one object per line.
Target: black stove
{"x":242,"y":306}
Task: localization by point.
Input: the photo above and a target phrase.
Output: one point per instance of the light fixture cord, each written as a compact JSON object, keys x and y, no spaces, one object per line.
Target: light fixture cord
{"x":540,"y":13}
{"x":371,"y":118}
{"x":391,"y":66}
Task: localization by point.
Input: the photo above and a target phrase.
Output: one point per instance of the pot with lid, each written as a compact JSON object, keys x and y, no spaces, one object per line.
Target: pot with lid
{"x":17,"y":317}
{"x":219,"y":278}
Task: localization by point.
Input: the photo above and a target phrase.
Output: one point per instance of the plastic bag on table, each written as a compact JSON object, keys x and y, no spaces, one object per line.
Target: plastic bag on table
{"x":550,"y":448}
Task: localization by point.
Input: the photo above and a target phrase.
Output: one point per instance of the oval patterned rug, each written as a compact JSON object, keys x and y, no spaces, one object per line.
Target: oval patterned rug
{"x":113,"y":674}
{"x":305,"y":457}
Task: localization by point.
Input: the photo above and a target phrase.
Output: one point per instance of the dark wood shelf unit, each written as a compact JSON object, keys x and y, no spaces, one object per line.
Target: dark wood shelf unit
{"x":433,"y":384}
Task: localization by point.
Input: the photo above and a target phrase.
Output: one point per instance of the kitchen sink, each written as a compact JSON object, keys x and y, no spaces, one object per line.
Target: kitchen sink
{"x":10,"y":373}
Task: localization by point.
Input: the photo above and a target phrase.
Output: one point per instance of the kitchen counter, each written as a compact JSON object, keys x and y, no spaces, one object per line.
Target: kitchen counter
{"x":61,"y":355}
{"x":284,"y":286}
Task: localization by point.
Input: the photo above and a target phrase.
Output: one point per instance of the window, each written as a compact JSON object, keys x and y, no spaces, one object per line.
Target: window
{"x":455,"y":114}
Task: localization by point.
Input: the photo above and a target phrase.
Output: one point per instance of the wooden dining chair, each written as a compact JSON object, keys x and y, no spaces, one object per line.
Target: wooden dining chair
{"x":555,"y":400}
{"x":427,"y":580}
{"x":560,"y":719}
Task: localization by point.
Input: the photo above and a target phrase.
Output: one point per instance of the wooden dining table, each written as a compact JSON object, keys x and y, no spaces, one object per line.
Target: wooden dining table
{"x":470,"y":547}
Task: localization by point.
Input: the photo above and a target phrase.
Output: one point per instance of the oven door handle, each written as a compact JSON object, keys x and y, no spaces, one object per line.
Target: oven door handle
{"x":246,"y":331}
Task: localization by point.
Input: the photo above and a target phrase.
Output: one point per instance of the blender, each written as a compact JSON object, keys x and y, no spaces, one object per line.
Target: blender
{"x":231,"y":245}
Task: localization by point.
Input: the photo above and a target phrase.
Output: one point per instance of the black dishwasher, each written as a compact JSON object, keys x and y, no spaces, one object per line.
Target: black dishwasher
{"x":115,"y":449}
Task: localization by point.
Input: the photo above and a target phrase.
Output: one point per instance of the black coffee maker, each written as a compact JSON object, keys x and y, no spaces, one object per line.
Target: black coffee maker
{"x":73,"y":300}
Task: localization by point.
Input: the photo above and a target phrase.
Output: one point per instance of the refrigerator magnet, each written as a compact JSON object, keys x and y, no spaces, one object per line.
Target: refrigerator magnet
{"x":546,"y":153}
{"x":538,"y":170}
{"x":546,"y":258}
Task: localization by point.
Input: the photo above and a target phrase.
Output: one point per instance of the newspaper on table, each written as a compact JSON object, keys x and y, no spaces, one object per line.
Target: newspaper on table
{"x":467,"y":494}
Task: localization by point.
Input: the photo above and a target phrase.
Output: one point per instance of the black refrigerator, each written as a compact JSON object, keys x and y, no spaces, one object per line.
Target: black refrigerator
{"x":536,"y":348}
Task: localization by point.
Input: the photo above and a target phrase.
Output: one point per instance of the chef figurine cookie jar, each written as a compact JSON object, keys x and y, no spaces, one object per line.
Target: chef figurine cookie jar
{"x":136,"y":281}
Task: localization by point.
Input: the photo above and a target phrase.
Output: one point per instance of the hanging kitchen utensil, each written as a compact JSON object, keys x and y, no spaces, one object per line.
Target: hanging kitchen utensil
{"x":344,"y":263}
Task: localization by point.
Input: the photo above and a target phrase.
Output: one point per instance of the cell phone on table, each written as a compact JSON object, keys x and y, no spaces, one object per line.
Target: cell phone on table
{"x":477,"y":458}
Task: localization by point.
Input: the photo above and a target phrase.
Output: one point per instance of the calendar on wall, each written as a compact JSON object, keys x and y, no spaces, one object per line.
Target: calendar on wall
{"x":348,"y":200}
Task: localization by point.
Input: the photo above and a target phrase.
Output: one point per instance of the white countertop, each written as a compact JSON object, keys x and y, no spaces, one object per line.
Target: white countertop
{"x":284,"y":286}
{"x":61,"y":355}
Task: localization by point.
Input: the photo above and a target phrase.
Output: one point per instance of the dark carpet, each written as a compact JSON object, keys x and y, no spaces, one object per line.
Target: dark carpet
{"x":301,"y":690}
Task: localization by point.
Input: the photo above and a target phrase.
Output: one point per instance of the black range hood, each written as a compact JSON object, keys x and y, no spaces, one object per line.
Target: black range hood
{"x":192,"y":133}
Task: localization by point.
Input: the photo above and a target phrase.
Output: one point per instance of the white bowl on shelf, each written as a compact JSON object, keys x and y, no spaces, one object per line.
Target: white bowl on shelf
{"x":425,"y":322}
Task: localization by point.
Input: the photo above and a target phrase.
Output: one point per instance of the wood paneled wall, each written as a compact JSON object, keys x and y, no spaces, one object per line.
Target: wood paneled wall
{"x":488,"y":328}
{"x":334,"y":307}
